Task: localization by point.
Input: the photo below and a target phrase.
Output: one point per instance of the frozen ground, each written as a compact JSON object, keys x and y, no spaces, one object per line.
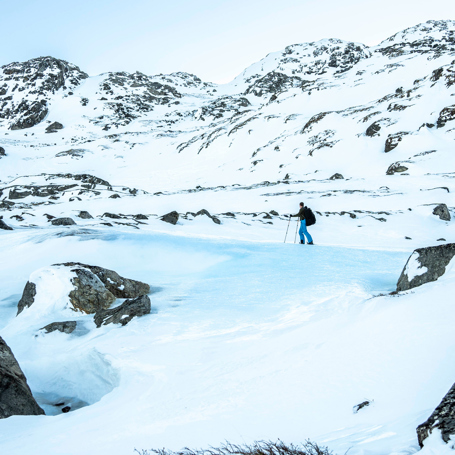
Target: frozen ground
{"x":250,"y":341}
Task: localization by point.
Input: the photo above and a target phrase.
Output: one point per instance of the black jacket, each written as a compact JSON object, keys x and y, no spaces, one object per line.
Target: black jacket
{"x":301,"y":214}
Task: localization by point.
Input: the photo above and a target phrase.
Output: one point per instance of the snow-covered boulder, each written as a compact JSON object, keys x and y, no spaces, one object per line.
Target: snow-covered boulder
{"x":124,"y":313}
{"x":79,"y":287}
{"x":15,"y":395}
{"x":425,"y":265}
{"x":443,"y":419}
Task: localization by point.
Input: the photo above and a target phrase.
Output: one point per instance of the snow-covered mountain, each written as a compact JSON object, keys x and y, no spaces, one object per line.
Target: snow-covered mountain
{"x":363,"y":135}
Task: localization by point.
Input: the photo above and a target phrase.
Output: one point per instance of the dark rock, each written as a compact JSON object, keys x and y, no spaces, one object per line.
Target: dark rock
{"x":442,"y":211}
{"x":430,"y":263}
{"x":17,"y":194}
{"x":171,"y":217}
{"x":373,"y":129}
{"x":124,"y":313}
{"x":120,"y":287}
{"x":274,"y":213}
{"x":28,"y":297}
{"x":4,"y":226}
{"x":66,"y":221}
{"x":85,"y":215}
{"x":112,"y":215}
{"x":336,"y":177}
{"x":64,"y":327}
{"x":49,"y":217}
{"x":73,"y":153}
{"x":139,"y":216}
{"x":53,"y":127}
{"x":446,"y":115}
{"x":15,"y":395}
{"x":114,"y":196}
{"x":360,"y":406}
{"x":396,"y":168}
{"x":66,"y":409}
{"x":29,"y":114}
{"x":441,"y":240}
{"x":205,"y":212}
{"x":442,"y":419}
{"x":393,"y":140}
{"x":2,"y":152}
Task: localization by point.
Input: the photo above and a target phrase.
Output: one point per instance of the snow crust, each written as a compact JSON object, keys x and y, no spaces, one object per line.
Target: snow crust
{"x":414,"y":268}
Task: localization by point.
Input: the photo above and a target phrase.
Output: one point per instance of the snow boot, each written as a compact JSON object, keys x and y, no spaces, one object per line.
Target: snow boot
{"x":302,"y":242}
{"x":310,"y":243}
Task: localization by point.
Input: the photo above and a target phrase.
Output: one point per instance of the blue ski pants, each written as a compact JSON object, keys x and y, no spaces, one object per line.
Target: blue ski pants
{"x":304,"y":232}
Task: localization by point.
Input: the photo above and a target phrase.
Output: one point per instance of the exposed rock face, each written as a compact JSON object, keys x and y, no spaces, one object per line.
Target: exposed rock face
{"x":446,"y":115}
{"x":396,"y":168}
{"x":4,"y":226}
{"x":121,"y":288}
{"x":393,"y":140}
{"x":54,"y":127}
{"x":124,"y":313}
{"x":425,"y":265}
{"x":89,"y":294}
{"x":2,"y":152}
{"x":442,"y":211}
{"x":64,"y":327}
{"x":336,"y":177}
{"x":63,"y":221}
{"x":443,"y":419}
{"x":171,"y":217}
{"x":205,"y":212}
{"x":373,"y":129}
{"x":15,"y":395}
{"x":38,"y":79}
{"x":28,"y":297}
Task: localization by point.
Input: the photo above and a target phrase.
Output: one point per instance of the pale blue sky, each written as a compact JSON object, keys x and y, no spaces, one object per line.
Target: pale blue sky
{"x":214,"y":39}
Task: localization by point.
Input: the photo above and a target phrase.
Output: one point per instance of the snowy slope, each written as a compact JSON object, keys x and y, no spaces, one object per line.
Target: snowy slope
{"x":252,"y":339}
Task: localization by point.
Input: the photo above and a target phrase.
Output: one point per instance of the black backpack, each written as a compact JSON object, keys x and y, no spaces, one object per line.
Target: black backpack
{"x":309,"y":216}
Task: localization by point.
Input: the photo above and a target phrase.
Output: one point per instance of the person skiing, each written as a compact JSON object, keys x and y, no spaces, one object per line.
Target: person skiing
{"x":303,"y":232}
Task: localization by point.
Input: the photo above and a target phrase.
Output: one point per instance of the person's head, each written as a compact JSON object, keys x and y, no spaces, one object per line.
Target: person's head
{"x":301,"y":204}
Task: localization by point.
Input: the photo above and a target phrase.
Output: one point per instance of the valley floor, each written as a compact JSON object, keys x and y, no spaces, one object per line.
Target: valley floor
{"x":249,"y":340}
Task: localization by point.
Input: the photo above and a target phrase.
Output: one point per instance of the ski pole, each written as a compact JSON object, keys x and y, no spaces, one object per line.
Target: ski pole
{"x":296,"y":229}
{"x":285,"y":237}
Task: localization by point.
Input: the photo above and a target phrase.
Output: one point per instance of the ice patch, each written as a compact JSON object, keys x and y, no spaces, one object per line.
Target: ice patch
{"x":414,"y":268}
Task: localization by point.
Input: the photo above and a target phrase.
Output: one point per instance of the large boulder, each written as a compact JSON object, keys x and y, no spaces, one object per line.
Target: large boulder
{"x":53,"y":127}
{"x":443,"y":419}
{"x":15,"y":395}
{"x":80,"y":287}
{"x":124,"y":313}
{"x":425,"y":265}
{"x":66,"y":221}
{"x":442,"y":211}
{"x":171,"y":217}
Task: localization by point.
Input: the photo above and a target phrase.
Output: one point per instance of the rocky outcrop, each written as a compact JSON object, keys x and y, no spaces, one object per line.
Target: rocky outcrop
{"x":336,"y":177}
{"x":15,"y":395}
{"x":54,"y":127}
{"x":396,"y":168}
{"x":446,"y":115}
{"x":373,"y":129}
{"x":28,"y":297}
{"x":442,"y":211}
{"x":393,"y":140}
{"x":171,"y":217}
{"x":425,"y":265}
{"x":66,"y":221}
{"x":2,"y":152}
{"x":64,"y":327}
{"x":90,"y":288}
{"x":4,"y":226}
{"x":442,"y":419}
{"x":124,"y":313}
